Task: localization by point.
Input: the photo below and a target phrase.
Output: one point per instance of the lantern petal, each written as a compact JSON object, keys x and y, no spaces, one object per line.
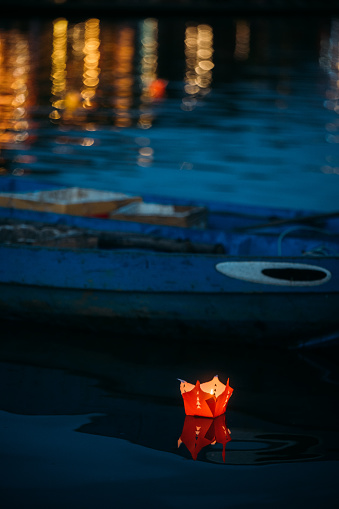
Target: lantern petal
{"x":209,"y":399}
{"x":211,"y":402}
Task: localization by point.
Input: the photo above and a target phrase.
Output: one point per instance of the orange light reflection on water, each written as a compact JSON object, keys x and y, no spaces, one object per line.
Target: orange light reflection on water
{"x":123,"y":77}
{"x":242,"y":40}
{"x":15,"y":93}
{"x":59,"y":72}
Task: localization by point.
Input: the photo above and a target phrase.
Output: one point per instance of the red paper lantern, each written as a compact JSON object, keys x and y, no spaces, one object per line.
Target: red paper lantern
{"x":208,"y":399}
{"x":198,"y":432}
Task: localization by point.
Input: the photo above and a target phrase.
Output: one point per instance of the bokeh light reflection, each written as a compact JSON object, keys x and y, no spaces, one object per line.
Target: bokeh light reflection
{"x":199,"y":63}
{"x":242,"y":40}
{"x":123,"y":76}
{"x":17,"y":92}
{"x":148,"y":77}
{"x":59,"y":60}
{"x":148,"y":69}
{"x":91,"y":59}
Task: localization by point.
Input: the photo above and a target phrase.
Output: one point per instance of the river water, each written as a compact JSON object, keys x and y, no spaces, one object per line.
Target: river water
{"x":89,"y":421}
{"x":232,"y":109}
{"x":229,"y":109}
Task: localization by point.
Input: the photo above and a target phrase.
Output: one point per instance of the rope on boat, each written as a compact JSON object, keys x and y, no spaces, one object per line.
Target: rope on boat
{"x":308,"y":228}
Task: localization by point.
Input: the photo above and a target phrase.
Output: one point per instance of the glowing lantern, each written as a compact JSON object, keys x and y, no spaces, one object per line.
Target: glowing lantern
{"x":198,"y":432}
{"x":208,"y":399}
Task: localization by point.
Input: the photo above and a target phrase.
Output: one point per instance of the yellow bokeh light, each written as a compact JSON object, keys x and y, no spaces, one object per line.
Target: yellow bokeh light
{"x":199,"y":64}
{"x":146,"y":151}
{"x":87,"y":142}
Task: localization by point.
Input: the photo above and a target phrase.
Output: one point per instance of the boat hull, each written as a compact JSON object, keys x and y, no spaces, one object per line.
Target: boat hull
{"x":266,"y":319}
{"x":270,"y":289}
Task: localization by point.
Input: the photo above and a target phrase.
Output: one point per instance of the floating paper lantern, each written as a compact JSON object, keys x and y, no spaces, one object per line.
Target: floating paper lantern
{"x":208,"y":399}
{"x":198,"y":432}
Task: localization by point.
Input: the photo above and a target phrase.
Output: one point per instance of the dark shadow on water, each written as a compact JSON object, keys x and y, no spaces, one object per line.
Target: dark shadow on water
{"x":283,"y":408}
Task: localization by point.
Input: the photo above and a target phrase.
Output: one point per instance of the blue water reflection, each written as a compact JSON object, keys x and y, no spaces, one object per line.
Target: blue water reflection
{"x":240,"y":110}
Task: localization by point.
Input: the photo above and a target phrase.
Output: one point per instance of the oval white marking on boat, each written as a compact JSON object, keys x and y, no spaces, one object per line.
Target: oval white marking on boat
{"x":275,"y":273}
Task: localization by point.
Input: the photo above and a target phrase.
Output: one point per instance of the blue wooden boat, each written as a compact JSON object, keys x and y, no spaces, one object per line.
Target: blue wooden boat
{"x":252,"y":275}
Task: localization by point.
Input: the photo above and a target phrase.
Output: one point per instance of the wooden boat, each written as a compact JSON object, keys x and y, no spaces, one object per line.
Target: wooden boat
{"x":279,"y":287}
{"x":221,"y":216}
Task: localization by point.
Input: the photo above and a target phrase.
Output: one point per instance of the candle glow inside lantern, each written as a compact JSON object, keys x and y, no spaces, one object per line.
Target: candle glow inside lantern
{"x":208,"y":399}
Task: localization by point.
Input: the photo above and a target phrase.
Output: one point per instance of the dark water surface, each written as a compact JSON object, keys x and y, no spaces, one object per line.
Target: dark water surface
{"x":93,"y":421}
{"x":233,"y":109}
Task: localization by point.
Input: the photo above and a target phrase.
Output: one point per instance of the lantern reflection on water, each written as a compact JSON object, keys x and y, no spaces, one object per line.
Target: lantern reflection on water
{"x":208,"y":399}
{"x":198,"y":432}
